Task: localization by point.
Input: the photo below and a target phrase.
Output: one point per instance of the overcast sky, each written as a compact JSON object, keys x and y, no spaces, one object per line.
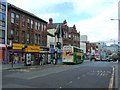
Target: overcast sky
{"x":91,"y":17}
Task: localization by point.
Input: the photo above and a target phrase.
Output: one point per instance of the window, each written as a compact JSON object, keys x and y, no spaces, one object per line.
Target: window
{"x":23,"y":21}
{"x":36,"y":25}
{"x":32,"y":40}
{"x":38,"y":39}
{"x":28,"y":37}
{"x":12,"y":32}
{"x":16,"y":33}
{"x":32,"y":24}
{"x":28,"y":22}
{"x":3,"y":17}
{"x":17,"y":19}
{"x":3,"y":8}
{"x":12,"y":17}
{"x":42,"y":27}
{"x":0,"y":16}
{"x":2,"y":37}
{"x":3,"y":24}
{"x":23,"y":36}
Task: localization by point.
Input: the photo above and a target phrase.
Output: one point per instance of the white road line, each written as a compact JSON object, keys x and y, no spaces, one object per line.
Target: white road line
{"x":112,"y":79}
{"x":78,"y":77}
{"x":116,"y":76}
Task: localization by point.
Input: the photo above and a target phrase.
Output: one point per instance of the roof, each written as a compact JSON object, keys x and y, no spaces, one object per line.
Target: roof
{"x":53,"y":26}
{"x":26,"y":12}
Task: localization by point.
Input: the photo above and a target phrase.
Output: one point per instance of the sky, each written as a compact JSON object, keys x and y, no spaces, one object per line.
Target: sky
{"x":91,"y":17}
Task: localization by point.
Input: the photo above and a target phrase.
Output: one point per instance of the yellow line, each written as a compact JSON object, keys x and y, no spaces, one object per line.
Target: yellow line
{"x":112,"y":79}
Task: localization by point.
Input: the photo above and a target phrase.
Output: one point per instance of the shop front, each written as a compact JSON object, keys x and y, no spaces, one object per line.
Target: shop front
{"x":32,"y":55}
{"x":15,"y":52}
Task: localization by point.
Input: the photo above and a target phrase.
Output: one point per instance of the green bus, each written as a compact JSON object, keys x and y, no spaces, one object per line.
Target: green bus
{"x":72,"y":55}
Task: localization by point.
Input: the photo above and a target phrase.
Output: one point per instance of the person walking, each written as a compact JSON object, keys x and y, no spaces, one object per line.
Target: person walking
{"x":41,"y":60}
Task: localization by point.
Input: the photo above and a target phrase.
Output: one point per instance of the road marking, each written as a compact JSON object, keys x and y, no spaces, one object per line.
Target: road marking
{"x":112,"y":79}
{"x":59,"y":88}
{"x":70,"y":82}
{"x":78,"y":77}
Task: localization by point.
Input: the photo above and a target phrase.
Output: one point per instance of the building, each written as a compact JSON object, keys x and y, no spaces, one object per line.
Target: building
{"x":71,"y":35}
{"x":59,"y":34}
{"x":55,"y":40}
{"x":3,"y":30}
{"x":83,"y":41}
{"x":25,"y":30}
{"x":83,"y":38}
{"x":112,"y":48}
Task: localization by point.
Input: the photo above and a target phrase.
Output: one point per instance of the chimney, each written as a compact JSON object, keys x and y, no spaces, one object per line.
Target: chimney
{"x":74,"y":27}
{"x":50,"y":21}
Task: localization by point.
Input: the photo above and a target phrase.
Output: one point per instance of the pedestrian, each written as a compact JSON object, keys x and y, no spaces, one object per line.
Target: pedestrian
{"x":51,"y":61}
{"x":41,"y":60}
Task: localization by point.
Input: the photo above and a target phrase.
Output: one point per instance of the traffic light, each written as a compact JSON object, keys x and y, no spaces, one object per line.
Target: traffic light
{"x":59,"y":45}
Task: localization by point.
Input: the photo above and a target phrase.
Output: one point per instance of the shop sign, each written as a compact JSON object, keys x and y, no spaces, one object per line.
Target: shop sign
{"x":33,"y":49}
{"x":17,"y":46}
{"x":52,"y":50}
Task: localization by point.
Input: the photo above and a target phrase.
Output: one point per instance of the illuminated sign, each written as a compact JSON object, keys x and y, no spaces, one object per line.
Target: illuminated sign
{"x":17,"y":46}
{"x":33,"y":49}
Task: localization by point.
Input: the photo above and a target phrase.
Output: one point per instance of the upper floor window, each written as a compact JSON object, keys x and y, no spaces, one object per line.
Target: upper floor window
{"x":32,"y":24}
{"x":12,"y":17}
{"x":23,"y":21}
{"x":3,"y":17}
{"x":38,"y":26}
{"x":44,"y":27}
{"x":2,"y":37}
{"x":3,"y":8}
{"x":28,"y":22}
{"x":16,"y":33}
{"x":28,"y":37}
{"x":17,"y":19}
{"x":12,"y":32}
{"x":38,"y":39}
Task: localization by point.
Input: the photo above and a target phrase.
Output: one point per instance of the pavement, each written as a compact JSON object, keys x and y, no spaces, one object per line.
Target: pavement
{"x":22,"y":66}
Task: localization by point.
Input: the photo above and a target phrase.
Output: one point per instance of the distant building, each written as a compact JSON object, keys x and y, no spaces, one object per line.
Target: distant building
{"x":58,"y":35}
{"x":83,"y":38}
{"x":113,"y":48}
{"x":83,"y":41}
{"x":3,"y":28}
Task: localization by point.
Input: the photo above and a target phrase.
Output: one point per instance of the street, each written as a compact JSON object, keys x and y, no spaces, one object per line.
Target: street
{"x":87,"y":75}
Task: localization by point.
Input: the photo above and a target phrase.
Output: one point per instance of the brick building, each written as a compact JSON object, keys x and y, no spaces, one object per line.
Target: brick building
{"x":70,"y":37}
{"x":25,"y":29}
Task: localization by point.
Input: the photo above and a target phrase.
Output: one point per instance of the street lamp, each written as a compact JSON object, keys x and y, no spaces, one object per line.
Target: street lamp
{"x":11,"y":45}
{"x":118,"y":37}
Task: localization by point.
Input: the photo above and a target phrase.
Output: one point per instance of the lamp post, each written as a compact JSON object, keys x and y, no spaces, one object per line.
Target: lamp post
{"x":11,"y":45}
{"x":118,"y":37}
